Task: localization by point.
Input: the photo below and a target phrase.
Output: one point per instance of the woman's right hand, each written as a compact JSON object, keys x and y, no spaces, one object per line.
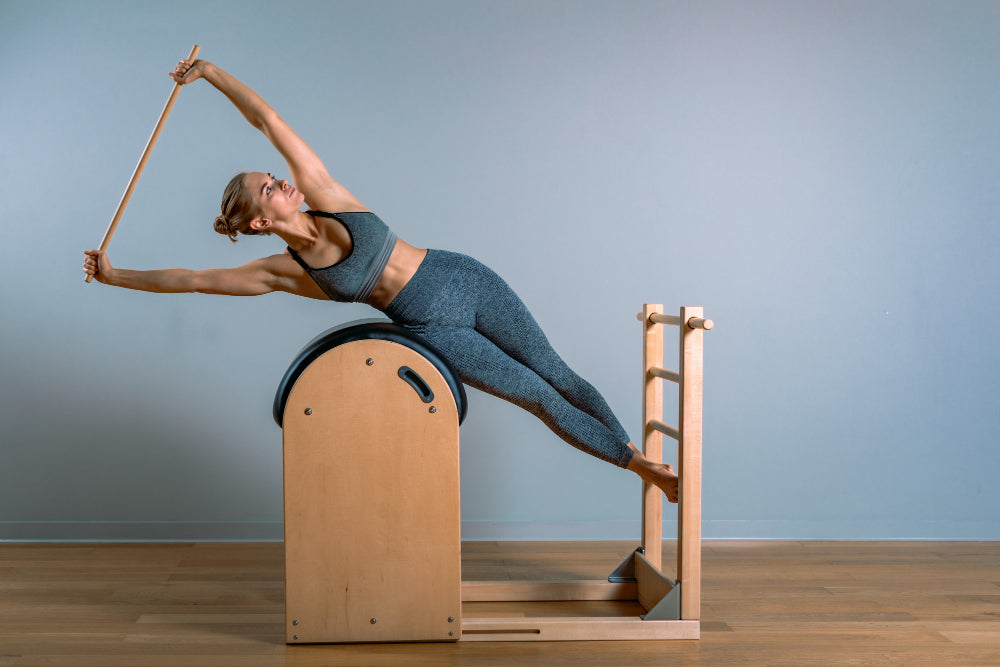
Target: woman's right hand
{"x":188,"y":71}
{"x":96,"y":264}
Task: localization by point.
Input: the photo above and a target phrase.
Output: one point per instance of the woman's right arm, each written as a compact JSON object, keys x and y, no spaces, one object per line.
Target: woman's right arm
{"x":278,"y":273}
{"x":308,"y":172}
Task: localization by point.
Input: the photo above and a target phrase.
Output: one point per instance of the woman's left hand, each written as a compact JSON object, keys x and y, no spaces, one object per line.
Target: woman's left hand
{"x":188,"y":71}
{"x":97,"y":265}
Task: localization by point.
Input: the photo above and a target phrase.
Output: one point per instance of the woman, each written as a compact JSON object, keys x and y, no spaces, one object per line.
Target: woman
{"x":461,"y":307}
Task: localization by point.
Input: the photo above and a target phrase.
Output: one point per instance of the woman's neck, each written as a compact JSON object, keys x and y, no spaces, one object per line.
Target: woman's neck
{"x":300,"y":232}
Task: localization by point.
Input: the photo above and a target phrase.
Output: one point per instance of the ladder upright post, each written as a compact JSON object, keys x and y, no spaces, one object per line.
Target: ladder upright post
{"x":690,"y":464}
{"x":652,"y":441}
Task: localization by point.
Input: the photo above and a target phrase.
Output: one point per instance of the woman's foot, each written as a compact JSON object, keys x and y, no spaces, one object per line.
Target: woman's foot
{"x":661,"y":475}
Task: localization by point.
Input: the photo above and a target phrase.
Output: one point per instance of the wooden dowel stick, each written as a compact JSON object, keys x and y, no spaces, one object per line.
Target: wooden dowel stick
{"x":660,"y":318}
{"x":665,"y":374}
{"x":700,"y":323}
{"x":142,"y":161}
{"x":665,"y":429}
{"x":694,"y":322}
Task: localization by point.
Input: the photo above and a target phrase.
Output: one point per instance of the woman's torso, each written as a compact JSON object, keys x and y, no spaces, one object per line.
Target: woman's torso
{"x":358,"y":258}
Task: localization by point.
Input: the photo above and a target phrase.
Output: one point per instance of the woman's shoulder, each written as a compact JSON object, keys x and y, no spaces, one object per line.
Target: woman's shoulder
{"x":278,"y":264}
{"x":333,"y":201}
{"x":289,"y":275}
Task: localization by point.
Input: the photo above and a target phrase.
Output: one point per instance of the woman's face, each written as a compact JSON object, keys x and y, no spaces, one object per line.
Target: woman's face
{"x":278,"y":199}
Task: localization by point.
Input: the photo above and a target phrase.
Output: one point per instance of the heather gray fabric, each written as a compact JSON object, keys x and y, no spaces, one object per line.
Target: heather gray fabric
{"x":480,"y":325}
{"x":354,"y":277}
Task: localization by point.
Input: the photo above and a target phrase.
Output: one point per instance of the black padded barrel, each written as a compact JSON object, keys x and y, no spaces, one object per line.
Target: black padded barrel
{"x":363,"y":330}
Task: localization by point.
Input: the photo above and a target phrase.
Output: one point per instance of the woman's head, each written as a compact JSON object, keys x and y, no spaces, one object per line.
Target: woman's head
{"x":252,"y":201}
{"x":238,"y":208}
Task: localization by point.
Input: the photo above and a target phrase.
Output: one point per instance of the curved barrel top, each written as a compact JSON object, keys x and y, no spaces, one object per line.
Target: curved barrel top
{"x":363,"y":330}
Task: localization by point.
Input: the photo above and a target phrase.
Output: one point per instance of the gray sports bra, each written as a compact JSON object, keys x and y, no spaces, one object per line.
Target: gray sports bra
{"x":353,"y":278}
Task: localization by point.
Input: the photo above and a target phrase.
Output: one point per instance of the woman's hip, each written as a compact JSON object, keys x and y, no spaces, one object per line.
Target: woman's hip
{"x":447,"y":288}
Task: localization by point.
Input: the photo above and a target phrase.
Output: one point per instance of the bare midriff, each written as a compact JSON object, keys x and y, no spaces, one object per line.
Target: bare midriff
{"x":403,"y":264}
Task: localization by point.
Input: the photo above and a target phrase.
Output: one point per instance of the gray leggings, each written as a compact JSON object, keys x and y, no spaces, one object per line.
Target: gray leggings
{"x":479,"y":324}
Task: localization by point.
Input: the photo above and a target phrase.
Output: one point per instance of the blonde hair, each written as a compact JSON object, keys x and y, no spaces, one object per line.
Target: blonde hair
{"x":238,"y":209}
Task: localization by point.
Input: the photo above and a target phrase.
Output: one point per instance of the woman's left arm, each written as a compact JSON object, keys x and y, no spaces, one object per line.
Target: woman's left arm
{"x":307,"y":171}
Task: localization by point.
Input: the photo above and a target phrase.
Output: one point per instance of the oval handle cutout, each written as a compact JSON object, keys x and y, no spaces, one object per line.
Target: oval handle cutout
{"x":412,"y":378}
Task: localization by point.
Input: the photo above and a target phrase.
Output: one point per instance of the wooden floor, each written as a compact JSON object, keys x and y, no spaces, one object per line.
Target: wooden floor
{"x":764,"y":603}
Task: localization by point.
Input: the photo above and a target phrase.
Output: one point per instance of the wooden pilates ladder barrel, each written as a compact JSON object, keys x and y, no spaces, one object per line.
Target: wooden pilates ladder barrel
{"x":691,"y":324}
{"x":371,"y":489}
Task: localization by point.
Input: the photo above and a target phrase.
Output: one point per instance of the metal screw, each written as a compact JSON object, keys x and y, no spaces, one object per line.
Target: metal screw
{"x":309,"y":411}
{"x":295,"y":622}
{"x":451,"y":619}
{"x":374,"y":621}
{"x":295,"y":636}
{"x":370,"y":361}
{"x":451,"y":634}
{"x":433,"y":409}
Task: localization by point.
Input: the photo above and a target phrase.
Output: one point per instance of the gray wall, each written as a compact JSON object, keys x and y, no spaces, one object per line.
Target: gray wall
{"x":821,"y":176}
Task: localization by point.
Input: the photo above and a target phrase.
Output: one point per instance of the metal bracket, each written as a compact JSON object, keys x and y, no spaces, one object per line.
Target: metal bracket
{"x":667,"y":609}
{"x":625,"y":573}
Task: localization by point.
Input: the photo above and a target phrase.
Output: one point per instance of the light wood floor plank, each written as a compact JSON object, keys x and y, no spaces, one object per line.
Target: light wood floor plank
{"x":764,"y":603}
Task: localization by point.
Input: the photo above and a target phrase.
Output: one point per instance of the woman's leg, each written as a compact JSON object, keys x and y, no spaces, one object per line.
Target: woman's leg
{"x":484,"y":329}
{"x":515,"y":332}
{"x":504,"y":319}
{"x":484,"y":366}
{"x":454,"y":290}
{"x":508,"y":323}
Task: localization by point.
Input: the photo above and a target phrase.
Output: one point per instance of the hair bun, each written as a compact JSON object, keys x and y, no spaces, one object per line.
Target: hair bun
{"x":222,"y":226}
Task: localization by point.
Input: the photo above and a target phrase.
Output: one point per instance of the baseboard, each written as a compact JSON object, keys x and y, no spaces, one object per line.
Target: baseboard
{"x":141,"y":531}
{"x":738,"y":530}
{"x":272,"y":531}
{"x":876,"y":529}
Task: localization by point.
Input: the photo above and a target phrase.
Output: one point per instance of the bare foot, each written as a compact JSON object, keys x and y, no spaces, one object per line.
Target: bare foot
{"x":665,"y":478}
{"x":661,"y":475}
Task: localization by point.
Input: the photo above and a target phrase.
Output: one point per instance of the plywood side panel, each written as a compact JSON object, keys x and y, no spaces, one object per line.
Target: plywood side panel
{"x":372,"y":515}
